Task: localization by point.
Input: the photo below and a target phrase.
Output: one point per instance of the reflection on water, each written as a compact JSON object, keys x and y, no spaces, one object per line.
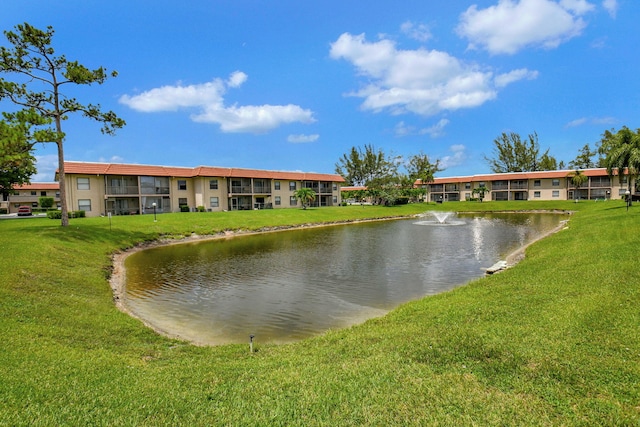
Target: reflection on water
{"x":286,"y":286}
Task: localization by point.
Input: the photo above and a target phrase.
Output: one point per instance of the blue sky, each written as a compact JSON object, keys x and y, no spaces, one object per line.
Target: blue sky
{"x":293,"y":85}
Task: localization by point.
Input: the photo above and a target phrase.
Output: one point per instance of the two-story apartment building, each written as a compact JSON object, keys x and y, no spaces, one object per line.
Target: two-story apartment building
{"x":123,"y":189}
{"x":542,"y":185}
{"x":29,"y":195}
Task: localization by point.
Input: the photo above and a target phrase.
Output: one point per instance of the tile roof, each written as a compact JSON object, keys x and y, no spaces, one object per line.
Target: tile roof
{"x":87,"y":168}
{"x":518,"y":175}
{"x":38,"y":186}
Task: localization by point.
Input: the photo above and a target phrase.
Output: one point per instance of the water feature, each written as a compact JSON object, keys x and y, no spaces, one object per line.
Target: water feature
{"x":286,"y":286}
{"x":441,"y":218}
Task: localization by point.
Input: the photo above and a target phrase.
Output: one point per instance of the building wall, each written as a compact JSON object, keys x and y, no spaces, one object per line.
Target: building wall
{"x":29,"y":195}
{"x":536,"y":187}
{"x":84,"y":191}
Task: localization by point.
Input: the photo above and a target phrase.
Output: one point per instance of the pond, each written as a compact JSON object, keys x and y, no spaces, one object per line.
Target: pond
{"x":286,"y":286}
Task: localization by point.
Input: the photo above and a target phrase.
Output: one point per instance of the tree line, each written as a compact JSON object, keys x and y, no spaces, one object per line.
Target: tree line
{"x":389,"y":179}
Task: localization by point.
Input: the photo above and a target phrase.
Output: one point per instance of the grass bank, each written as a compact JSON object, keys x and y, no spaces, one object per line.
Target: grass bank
{"x":553,"y":341}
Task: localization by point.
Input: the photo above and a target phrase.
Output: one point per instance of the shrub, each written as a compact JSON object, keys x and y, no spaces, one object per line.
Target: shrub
{"x":184,"y":208}
{"x":54,"y":214}
{"x":201,"y":209}
{"x":3,"y":211}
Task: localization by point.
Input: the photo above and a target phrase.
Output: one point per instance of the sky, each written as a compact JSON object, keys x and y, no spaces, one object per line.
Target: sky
{"x":293,"y":85}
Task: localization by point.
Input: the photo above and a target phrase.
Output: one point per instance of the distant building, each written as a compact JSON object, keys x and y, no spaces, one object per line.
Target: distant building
{"x":542,"y":185}
{"x":29,"y":195}
{"x":125,"y":189}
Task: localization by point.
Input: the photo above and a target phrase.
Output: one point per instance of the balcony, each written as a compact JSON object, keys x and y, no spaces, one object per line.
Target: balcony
{"x":519,"y":185}
{"x":241,"y":189}
{"x":122,"y":189}
{"x":262,"y":189}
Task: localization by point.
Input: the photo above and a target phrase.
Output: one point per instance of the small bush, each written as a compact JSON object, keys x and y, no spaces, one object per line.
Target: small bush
{"x":54,"y":214}
{"x":3,"y":211}
{"x":201,"y":209}
{"x":184,"y":208}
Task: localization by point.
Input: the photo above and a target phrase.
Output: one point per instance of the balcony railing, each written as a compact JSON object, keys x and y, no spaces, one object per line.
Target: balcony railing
{"x":519,"y":185}
{"x":241,"y":189}
{"x":262,"y":189}
{"x":122,"y":189}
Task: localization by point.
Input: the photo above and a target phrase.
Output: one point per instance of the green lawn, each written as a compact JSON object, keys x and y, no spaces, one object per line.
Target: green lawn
{"x":552,"y":341}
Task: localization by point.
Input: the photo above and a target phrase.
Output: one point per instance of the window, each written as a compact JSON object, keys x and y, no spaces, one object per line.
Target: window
{"x":536,"y":194}
{"x":214,"y":202}
{"x":536,"y":183}
{"x":335,"y":186}
{"x":182,"y":201}
{"x":292,"y":186}
{"x":182,"y":184}
{"x":83,"y":183}
{"x":34,"y":193}
{"x":213,"y":184}
{"x":43,"y":193}
{"x":276,"y":185}
{"x":293,"y":201}
{"x":555,"y":182}
{"x":335,"y":199}
{"x":467,"y":186}
{"x":278,"y":201}
{"x":84,"y":205}
{"x":555,"y":193}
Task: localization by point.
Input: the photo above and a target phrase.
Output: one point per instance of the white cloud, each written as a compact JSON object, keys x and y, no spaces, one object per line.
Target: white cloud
{"x":435,"y":131}
{"x":236,"y":79}
{"x":46,"y":167}
{"x":576,"y":122}
{"x":208,"y":99}
{"x":503,"y":80}
{"x":419,"y":32}
{"x":510,"y":26}
{"x":420,"y":81}
{"x":457,"y":158}
{"x":591,"y":121}
{"x":112,"y":159}
{"x":611,"y":6}
{"x":301,"y":139}
{"x":172,"y":98}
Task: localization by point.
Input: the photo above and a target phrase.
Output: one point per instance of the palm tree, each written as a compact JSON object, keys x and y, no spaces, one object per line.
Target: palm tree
{"x":305,"y":195}
{"x":577,"y":179}
{"x":624,"y":154}
{"x":480,"y":191}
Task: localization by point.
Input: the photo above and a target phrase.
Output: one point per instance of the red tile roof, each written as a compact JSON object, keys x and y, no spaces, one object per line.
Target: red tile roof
{"x":517,"y":176}
{"x":86,"y":168}
{"x":38,"y":186}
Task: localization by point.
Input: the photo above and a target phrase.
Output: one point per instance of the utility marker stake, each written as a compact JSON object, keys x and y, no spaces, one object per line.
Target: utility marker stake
{"x":251,"y":343}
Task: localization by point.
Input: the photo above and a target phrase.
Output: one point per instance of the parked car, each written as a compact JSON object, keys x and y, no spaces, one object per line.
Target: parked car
{"x":24,"y":211}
